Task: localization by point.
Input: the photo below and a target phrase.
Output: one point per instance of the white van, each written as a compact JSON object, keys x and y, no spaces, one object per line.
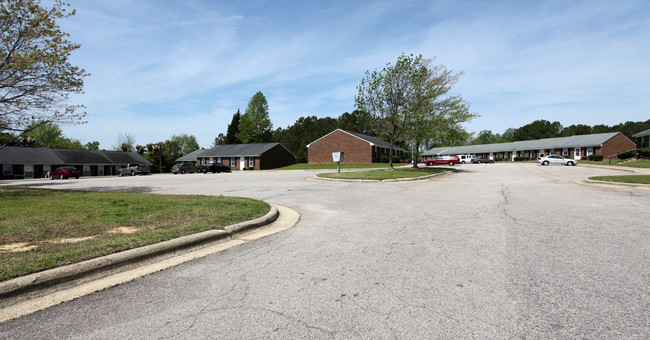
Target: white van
{"x":466,"y":158}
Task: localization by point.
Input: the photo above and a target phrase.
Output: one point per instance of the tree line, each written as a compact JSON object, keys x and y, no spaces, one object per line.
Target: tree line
{"x":541,"y":129}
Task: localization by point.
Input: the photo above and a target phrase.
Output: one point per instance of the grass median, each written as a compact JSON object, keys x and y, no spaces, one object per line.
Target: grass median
{"x":42,"y":229}
{"x":631,"y":179}
{"x":326,"y":166}
{"x":385,"y":174}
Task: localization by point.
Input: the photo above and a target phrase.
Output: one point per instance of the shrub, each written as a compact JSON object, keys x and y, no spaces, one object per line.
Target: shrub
{"x":596,"y":158}
{"x":520,"y":159}
{"x":251,"y":168}
{"x":383,"y":159}
{"x":498,"y":159}
{"x":645,"y":152}
{"x":396,"y":159}
{"x":626,"y":154}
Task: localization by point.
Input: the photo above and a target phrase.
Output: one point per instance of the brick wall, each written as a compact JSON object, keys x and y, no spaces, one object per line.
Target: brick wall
{"x":355,"y":150}
{"x":615,"y":145}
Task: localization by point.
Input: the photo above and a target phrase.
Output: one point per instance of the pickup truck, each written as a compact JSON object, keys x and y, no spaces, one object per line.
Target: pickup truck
{"x":133,"y":169}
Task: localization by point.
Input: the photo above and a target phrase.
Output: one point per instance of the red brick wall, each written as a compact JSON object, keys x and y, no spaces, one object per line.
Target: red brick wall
{"x":355,"y":150}
{"x":615,"y":145}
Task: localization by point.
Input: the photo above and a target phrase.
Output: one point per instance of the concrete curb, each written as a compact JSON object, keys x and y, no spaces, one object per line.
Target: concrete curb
{"x":52,"y":277}
{"x":411,"y":179}
{"x":593,"y":181}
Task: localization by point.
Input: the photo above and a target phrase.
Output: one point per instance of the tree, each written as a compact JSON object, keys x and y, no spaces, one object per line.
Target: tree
{"x":44,"y":133}
{"x":358,"y":121}
{"x":94,"y":145}
{"x":434,"y":116}
{"x":255,"y":125}
{"x":186,"y":142}
{"x":36,"y":77}
{"x":304,"y":131}
{"x":233,"y":129}
{"x":124,"y":142}
{"x":407,"y":99}
{"x":219,"y":140}
{"x":538,"y":129}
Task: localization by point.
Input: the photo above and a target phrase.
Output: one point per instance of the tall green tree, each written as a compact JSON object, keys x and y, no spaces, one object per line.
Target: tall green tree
{"x":255,"y":124}
{"x":304,"y":131}
{"x":233,"y":129}
{"x":186,"y":142}
{"x":43,"y":133}
{"x":36,"y":77}
{"x":434,"y":115}
{"x":408,"y":99}
{"x":538,"y":129}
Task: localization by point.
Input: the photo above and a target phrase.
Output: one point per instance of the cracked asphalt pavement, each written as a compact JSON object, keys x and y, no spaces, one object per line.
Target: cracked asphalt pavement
{"x":493,"y":251}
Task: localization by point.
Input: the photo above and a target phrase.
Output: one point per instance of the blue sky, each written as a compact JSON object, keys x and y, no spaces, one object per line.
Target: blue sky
{"x":162,"y":67}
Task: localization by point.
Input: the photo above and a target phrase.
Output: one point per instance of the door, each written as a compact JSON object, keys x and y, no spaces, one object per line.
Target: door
{"x":242,"y":163}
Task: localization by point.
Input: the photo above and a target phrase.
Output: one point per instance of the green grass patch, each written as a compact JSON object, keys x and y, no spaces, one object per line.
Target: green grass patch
{"x":633,"y":179}
{"x":327,"y":166}
{"x":385,"y":174}
{"x":56,"y":227}
{"x":640,"y":163}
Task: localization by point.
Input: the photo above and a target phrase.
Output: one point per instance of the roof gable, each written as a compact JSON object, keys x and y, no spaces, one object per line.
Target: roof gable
{"x":369,"y":139}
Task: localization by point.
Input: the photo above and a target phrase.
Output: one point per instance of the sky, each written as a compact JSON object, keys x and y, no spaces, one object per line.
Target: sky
{"x":167,"y":67}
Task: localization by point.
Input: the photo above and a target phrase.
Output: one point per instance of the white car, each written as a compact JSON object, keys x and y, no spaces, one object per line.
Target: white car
{"x":466,"y":159}
{"x":556,"y":160}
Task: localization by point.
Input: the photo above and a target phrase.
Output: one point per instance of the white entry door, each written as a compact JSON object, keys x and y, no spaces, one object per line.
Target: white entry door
{"x":242,"y":162}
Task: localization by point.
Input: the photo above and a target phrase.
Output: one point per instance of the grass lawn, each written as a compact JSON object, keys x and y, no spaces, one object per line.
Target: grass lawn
{"x":384,"y":174}
{"x":325,"y":166}
{"x":634,"y":179}
{"x":42,"y":229}
{"x":641,"y":163}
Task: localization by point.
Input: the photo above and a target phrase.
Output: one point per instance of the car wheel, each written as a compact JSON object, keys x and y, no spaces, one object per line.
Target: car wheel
{"x":451,"y":163}
{"x":545,"y":163}
{"x":570,"y":163}
{"x":120,"y":174}
{"x":132,"y":173}
{"x":76,"y":177}
{"x":182,"y":171}
{"x":62,"y":178}
{"x":491,"y":162}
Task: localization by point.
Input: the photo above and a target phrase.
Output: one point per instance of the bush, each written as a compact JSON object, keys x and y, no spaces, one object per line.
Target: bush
{"x":595,"y":158}
{"x":498,"y":159}
{"x":396,"y":159}
{"x":645,"y":152}
{"x":627,"y":154}
{"x":383,"y":159}
{"x":251,"y":168}
{"x":520,"y":159}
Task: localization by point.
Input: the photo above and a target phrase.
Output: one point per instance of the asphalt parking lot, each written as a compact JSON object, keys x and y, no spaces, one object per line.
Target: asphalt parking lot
{"x":493,"y":251}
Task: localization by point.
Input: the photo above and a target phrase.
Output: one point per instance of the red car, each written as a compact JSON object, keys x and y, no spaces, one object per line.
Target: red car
{"x":451,"y":160}
{"x":65,"y":172}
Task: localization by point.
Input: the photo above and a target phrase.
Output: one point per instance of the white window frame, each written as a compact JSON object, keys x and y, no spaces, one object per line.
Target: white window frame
{"x":251,"y":162}
{"x":233,"y":162}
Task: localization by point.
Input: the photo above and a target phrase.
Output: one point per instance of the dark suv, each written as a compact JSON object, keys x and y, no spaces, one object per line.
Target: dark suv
{"x":214,"y":167}
{"x":183,"y":168}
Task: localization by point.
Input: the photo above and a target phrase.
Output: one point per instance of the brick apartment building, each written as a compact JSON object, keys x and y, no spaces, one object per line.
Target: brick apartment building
{"x":576,"y":147}
{"x":642,"y":139}
{"x":357,"y":148}
{"x":258,"y":156}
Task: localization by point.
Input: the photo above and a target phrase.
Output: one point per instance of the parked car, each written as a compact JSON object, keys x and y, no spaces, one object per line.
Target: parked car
{"x":214,"y":167}
{"x":65,"y":172}
{"x":479,"y":160}
{"x":450,"y":160}
{"x":183,"y":168}
{"x":556,"y":160}
{"x":466,"y":158}
{"x":133,"y":169}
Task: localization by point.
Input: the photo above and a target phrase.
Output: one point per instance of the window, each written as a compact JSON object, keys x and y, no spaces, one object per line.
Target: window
{"x":590,"y":151}
{"x":251,"y":162}
{"x":577,"y":152}
{"x":233,"y":162}
{"x":565,"y":151}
